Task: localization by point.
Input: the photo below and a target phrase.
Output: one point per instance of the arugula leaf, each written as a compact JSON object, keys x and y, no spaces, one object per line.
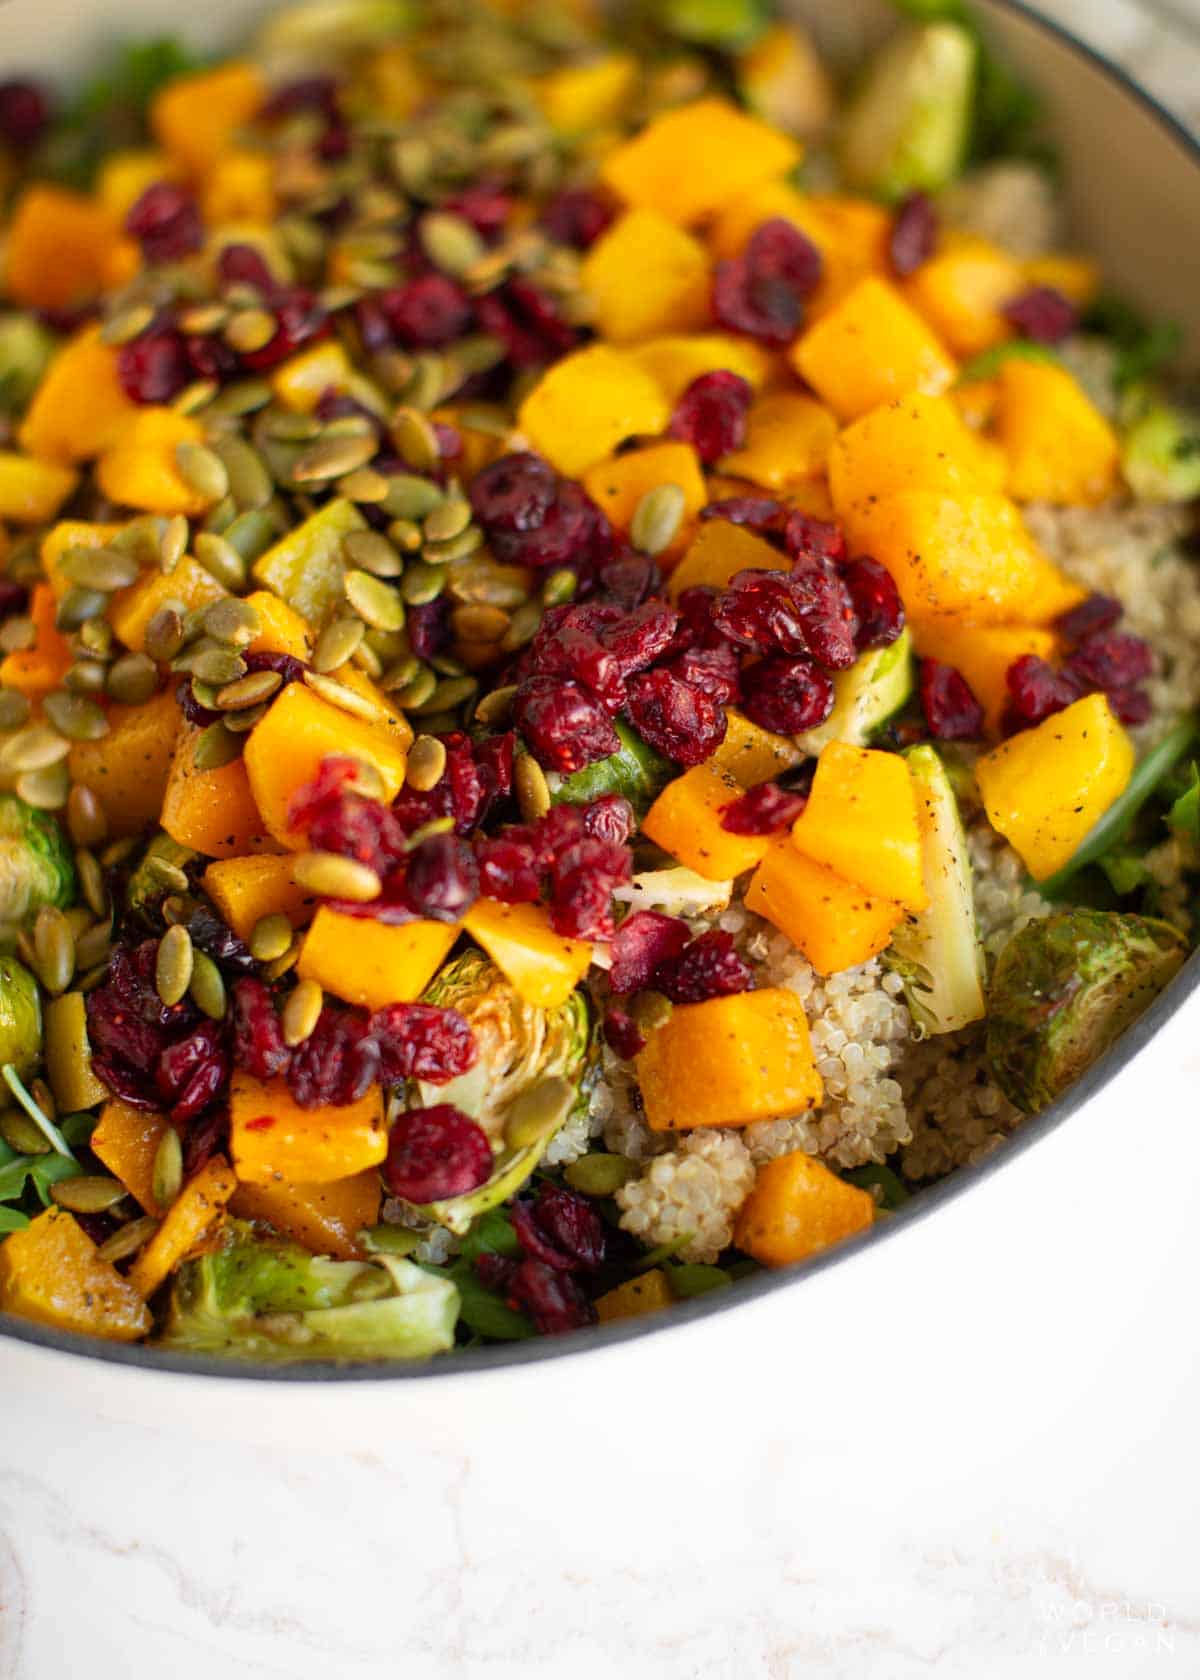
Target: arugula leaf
{"x":491,"y":1233}
{"x":1126,"y":870}
{"x":1143,"y":346}
{"x":482,"y":1310}
{"x":988,"y":363}
{"x":875,"y":1177}
{"x":1183,"y":818}
{"x":38,"y":1172}
{"x":11,"y":1219}
{"x":687,"y":1281}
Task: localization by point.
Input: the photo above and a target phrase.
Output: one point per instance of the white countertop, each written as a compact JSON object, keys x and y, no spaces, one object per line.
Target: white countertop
{"x":970,"y":1452}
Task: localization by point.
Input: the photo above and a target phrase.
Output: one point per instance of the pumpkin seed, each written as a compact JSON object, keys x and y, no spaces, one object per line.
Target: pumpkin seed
{"x":450,"y":241}
{"x":164,"y":634}
{"x":132,"y":679}
{"x":86,"y":676}
{"x":91,"y":881}
{"x":376,"y":602}
{"x":242,"y":722}
{"x":478,"y":623}
{"x":194,"y":397}
{"x":106,"y":569}
{"x":232,"y":621}
{"x":333,"y":876}
{"x":173,"y":965}
{"x":373,"y":553}
{"x":166,"y":1179}
{"x":45,"y":790}
{"x":215,"y":746}
{"x":284,"y":964}
{"x":14,"y":709}
{"x":75,"y":716}
{"x":337,"y":643}
{"x":346,"y":699}
{"x":127,"y":325}
{"x":287,"y":427}
{"x":17,"y":635}
{"x":178,"y":910}
{"x":87,"y":1194}
{"x":216,"y":665}
{"x":651,"y":1010}
{"x":421,"y":583}
{"x":250,"y":690}
{"x":333,"y":456}
{"x":78,"y":605}
{"x":417,"y":690}
{"x":128,"y":1239}
{"x":20,"y":1133}
{"x":538,"y":1111}
{"x":523,"y":626}
{"x":86,"y":821}
{"x":204,"y":694}
{"x":449,"y":695}
{"x":95,"y":639}
{"x":202,"y":470}
{"x":168,"y":874}
{"x":410,"y":497}
{"x":93,"y":946}
{"x":301,"y":1012}
{"x":173,"y":543}
{"x":251,"y":330}
{"x":35,"y":747}
{"x":657,"y":518}
{"x":407,"y":535}
{"x":435,"y":825}
{"x":206,"y":988}
{"x":433,"y":377}
{"x":400,"y":674}
{"x":270,"y":937}
{"x":80,"y":918}
{"x":204,"y":318}
{"x":244,"y":397}
{"x":116,"y":853}
{"x":221,"y":560}
{"x":599,"y":1174}
{"x":249,"y":481}
{"x":366,"y":659}
{"x":460,"y":547}
{"x":415,"y":440}
{"x":448,"y":520}
{"x":426,"y":763}
{"x":495,"y":708}
{"x":364,"y":484}
{"x":53,"y":949}
{"x":532,"y":790}
{"x":43,"y":1096}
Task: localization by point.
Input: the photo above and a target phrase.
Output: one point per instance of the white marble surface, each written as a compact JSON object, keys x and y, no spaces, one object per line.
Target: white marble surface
{"x":970,"y":1453}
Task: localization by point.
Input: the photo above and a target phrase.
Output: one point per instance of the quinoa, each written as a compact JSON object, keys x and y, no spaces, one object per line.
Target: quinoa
{"x":1004,"y":900}
{"x":1011,"y":204}
{"x":956,"y":1112}
{"x":697,"y":1188}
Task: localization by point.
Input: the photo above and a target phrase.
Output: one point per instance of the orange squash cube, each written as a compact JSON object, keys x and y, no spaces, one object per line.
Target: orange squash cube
{"x":245,"y":889}
{"x":915,"y":443}
{"x":861,"y":822}
{"x":39,"y":669}
{"x":674,"y":292}
{"x":729,"y":1062}
{"x":685,"y":820}
{"x":70,"y":533}
{"x":1060,"y":448}
{"x":618,"y":485}
{"x":869,"y":349}
{"x":31,"y":490}
{"x":788,"y":439}
{"x":52,"y":1273}
{"x":194,"y":1214}
{"x":301,"y":381}
{"x":139,"y":470}
{"x":693,"y":160}
{"x":854,"y":245}
{"x":674,"y":361}
{"x":580,"y":97}
{"x":195,"y":118}
{"x":797,"y":1208}
{"x":719,"y":552}
{"x":324,"y":1218}
{"x":282,"y":628}
{"x":126,"y":1139}
{"x":834,"y":923}
{"x":752,"y":754}
{"x":240,"y":187}
{"x":57,"y":425}
{"x":369,"y":963}
{"x":983,"y":654}
{"x":133,"y":608}
{"x":649,"y":1293}
{"x":962,"y":290}
{"x":63,"y":249}
{"x":586,"y":404}
{"x":212,"y":811}
{"x":542,"y":966}
{"x":272,"y":1139}
{"x":770,"y":201}
{"x":128,"y":768}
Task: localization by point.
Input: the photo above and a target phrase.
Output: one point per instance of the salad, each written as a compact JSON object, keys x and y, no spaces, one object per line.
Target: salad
{"x":599,"y":650}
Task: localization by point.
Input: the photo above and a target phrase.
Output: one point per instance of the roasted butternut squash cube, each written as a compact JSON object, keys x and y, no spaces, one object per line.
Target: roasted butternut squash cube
{"x":1060,"y":448}
{"x":240,"y":187}
{"x":752,"y":754}
{"x":693,"y":160}
{"x":1075,"y":277}
{"x":983,"y":653}
{"x":324,"y":1218}
{"x":718,"y":553}
{"x":282,"y":628}
{"x":962,"y":290}
{"x":285,"y":751}
{"x":871,"y":348}
{"x":543,"y":967}
{"x":63,"y":249}
{"x":192,"y":1217}
{"x":52,"y":1273}
{"x":32,"y":491}
{"x":70,"y":533}
{"x":128,"y":769}
{"x":854,"y":239}
{"x":585,"y":405}
{"x":618,"y":485}
{"x":649,"y":1293}
{"x":126,"y":1139}
{"x":301,"y":382}
{"x":674,"y":287}
{"x":57,"y":425}
{"x":586,"y":96}
{"x":685,"y":820}
{"x":133,"y":608}
{"x":834,"y":923}
{"x":674,"y":361}
{"x":728,"y":1062}
{"x":798,"y":1208}
{"x":788,"y":438}
{"x":305,"y":567}
{"x":1045,"y":789}
{"x":212,"y":811}
{"x":245,"y":889}
{"x":861,"y":822}
{"x":777,"y":200}
{"x":124,"y":176}
{"x":139,"y":470}
{"x":273,"y":1139}
{"x":914,"y":443}
{"x":39,"y":669}
{"x":369,"y":963}
{"x":195,"y":118}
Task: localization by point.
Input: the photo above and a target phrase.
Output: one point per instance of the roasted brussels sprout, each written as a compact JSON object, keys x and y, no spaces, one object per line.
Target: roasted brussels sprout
{"x":635,"y":770}
{"x":1160,"y":449}
{"x":25,"y":351}
{"x":907,"y":127}
{"x":263,"y":1298}
{"x":20,"y":1017}
{"x":1065,"y":988}
{"x":36,"y":865}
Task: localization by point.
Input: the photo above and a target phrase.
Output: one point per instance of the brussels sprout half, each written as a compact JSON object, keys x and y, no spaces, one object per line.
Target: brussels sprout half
{"x":20,"y":1018}
{"x":908,"y":125}
{"x":36,"y":864}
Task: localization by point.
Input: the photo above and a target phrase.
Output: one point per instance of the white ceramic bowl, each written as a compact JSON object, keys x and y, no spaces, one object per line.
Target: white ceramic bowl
{"x":1132,"y":185}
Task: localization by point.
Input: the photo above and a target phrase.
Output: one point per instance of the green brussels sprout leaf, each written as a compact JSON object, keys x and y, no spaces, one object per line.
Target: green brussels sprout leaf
{"x":906,"y":128}
{"x":635,"y":770}
{"x":20,"y":1019}
{"x":36,"y":863}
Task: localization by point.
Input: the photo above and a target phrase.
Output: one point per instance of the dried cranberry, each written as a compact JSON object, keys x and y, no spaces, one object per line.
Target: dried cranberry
{"x":710,"y":967}
{"x":494,"y":765}
{"x":210,"y":357}
{"x":563,"y":725}
{"x":155,"y":367}
{"x":1111,"y":661}
{"x":766,"y":809}
{"x":582,"y":878}
{"x":757,"y":513}
{"x":485,"y":205}
{"x":609,"y":818}
{"x":560,"y":828}
{"x":682,"y":723}
{"x":1036,"y":691}
{"x":420,"y":1041}
{"x":428,"y":312}
{"x":951,"y":709}
{"x":561,"y":1228}
{"x":788,"y":695}
{"x":357,"y":828}
{"x":1098,"y":613}
{"x":336,"y":776}
{"x":696,"y":627}
{"x":300,"y":320}
{"x":572,"y":651}
{"x":876,"y":601}
{"x":528,"y":322}
{"x":552,"y":1299}
{"x":914,"y":233}
{"x":1043,"y":315}
{"x":577,"y":217}
{"x":337,"y":1064}
{"x":806,"y":538}
{"x":573,"y":532}
{"x":14,"y":598}
{"x":830,"y":622}
{"x":442,"y":880}
{"x":217,"y":939}
{"x":628,"y":579}
{"x":203,"y":1137}
{"x":711,"y":414}
{"x":715,"y":672}
{"x":513,"y":494}
{"x":129,"y":1026}
{"x":640,"y":945}
{"x":508,"y":870}
{"x":434,"y":1153}
{"x":165,"y":221}
{"x":245,"y":265}
{"x":623,"y":1035}
{"x":641,"y":636}
{"x":258,"y":1045}
{"x":428,"y":626}
{"x":762,"y":292}
{"x":807,"y":612}
{"x":1130,"y":705}
{"x":24,"y":114}
{"x":303,"y":93}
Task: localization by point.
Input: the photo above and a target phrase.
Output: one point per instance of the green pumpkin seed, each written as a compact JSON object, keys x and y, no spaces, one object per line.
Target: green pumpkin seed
{"x":364,"y":484}
{"x":407,"y":535}
{"x":410,"y":497}
{"x":651,"y":1010}
{"x":538,"y":1111}
{"x":431,"y":379}
{"x":168,"y":874}
{"x":128,"y":1240}
{"x":249,"y":481}
{"x":232,"y":622}
{"x":421,"y":584}
{"x":448,"y":520}
{"x":242,"y":722}
{"x":164,"y":634}
{"x":346,"y":699}
{"x":173,"y":965}
{"x":599,"y":1174}
{"x":194,"y":397}
{"x":106,"y":569}
{"x":337,"y":643}
{"x":533,"y":793}
{"x":270,"y":937}
{"x":449,"y":695}
{"x":166,"y":1180}
{"x":129,"y":324}
{"x":287,"y":427}
{"x":426,"y":763}
{"x":333,"y":456}
{"x":478,"y":623}
{"x":375,"y":601}
{"x":45,"y":790}
{"x":91,"y":882}
{"x":216,"y":665}
{"x":95,"y":639}
{"x":461,"y":547}
{"x":415,"y":440}
{"x":371,"y":552}
{"x":86,"y":821}
{"x":14,"y":709}
{"x":88,"y":1194}
{"x":245,"y":397}
{"x":79,"y":605}
{"x":173,"y":543}
{"x":206,"y":988}
{"x":204,"y":694}
{"x":301,"y":1012}
{"x":204,"y":318}
{"x":75,"y":716}
{"x":450,"y":241}
{"x":251,"y":330}
{"x":400,"y":674}
{"x":495,"y":709}
{"x":523,"y":627}
{"x":93,"y":946}
{"x":17,"y":635}
{"x":117,"y":852}
{"x":132,"y":679}
{"x":86,"y":676}
{"x":251,"y":533}
{"x":215,"y":746}
{"x":333,"y":876}
{"x":657,"y":518}
{"x":53,"y":949}
{"x":284,"y":964}
{"x":251,"y":690}
{"x":220,"y":560}
{"x":417,"y":690}
{"x":20,"y":1133}
{"x":35,"y":747}
{"x":202,"y":470}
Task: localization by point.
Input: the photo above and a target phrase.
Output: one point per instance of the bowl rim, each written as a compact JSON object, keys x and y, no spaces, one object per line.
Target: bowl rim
{"x":481,"y":1361}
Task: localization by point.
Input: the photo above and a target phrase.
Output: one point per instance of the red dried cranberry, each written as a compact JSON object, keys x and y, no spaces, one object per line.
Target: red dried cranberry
{"x":210,"y":358}
{"x":951,"y":710}
{"x":442,"y":880}
{"x":1036,"y":691}
{"x":571,"y":651}
{"x":245,"y":265}
{"x":427,"y":626}
{"x":806,"y":538}
{"x":508,"y":870}
{"x":300,"y":320}
{"x":129,"y":1026}
{"x":711,"y":414}
{"x":561,"y":827}
{"x":807,"y":612}
{"x":758,"y":513}
{"x":217,"y":940}
{"x":192,"y":1072}
{"x":829,"y":619}
{"x":428,"y":312}
{"x":513,"y":494}
{"x":494,"y":764}
{"x":303,"y":93}
{"x":640,"y":945}
{"x":766,"y":809}
{"x":14,"y":598}
{"x":1098,"y":613}
{"x":155,"y":367}
{"x":552,"y":1299}
{"x":710,"y":967}
{"x":462,"y":786}
{"x":258,"y":1045}
{"x":1130,"y":705}
{"x":434,"y":1153}
{"x":715,"y":672}
{"x":609,"y":818}
{"x":420,"y":1041}
{"x":788,"y":695}
{"x":914,"y":233}
{"x":24,"y":114}
{"x":762,"y":292}
{"x":165,"y":221}
{"x":1111,"y":661}
{"x":337,"y":1064}
{"x":577,"y":217}
{"x":876,"y":600}
{"x":485,"y":205}
{"x":573,"y":532}
{"x":628,"y":579}
{"x":561,"y":1228}
{"x":641,"y":636}
{"x":1043,"y":315}
{"x":204,"y":1136}
{"x":623,"y":1035}
{"x":680,"y":722}
{"x":696,"y":627}
{"x":335,"y":776}
{"x":528,"y":322}
{"x":582,"y":878}
{"x":563,"y":725}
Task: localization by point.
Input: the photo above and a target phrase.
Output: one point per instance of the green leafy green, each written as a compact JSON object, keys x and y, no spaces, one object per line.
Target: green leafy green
{"x":482,"y":1310}
{"x":1183,"y":819}
{"x":19,"y":1173}
{"x":492,"y":1233}
{"x":687,"y":1281}
{"x":1126,"y":870}
{"x":989,"y":362}
{"x":1143,"y":347}
{"x":873,"y":1176}
{"x":634,"y":770}
{"x":110,"y":111}
{"x":36,"y":1113}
